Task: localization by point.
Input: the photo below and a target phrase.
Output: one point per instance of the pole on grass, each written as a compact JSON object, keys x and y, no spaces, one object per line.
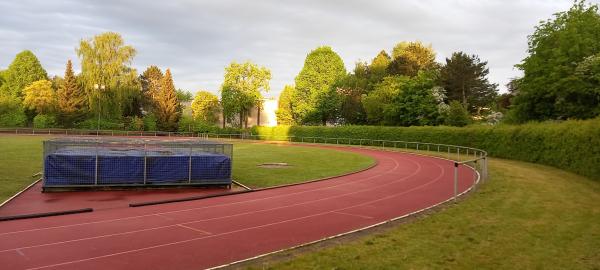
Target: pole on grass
{"x":455,"y":180}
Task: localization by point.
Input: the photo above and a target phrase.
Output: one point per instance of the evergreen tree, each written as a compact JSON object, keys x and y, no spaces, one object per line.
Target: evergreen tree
{"x":24,"y":70}
{"x":465,"y":79}
{"x":166,"y":105}
{"x":71,"y":98}
{"x":322,"y":69}
{"x":151,"y":81}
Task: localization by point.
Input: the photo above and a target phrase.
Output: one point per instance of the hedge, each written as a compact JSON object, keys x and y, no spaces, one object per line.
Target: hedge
{"x":572,"y":145}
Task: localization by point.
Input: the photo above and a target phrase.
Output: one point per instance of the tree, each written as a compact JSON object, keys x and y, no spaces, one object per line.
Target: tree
{"x":11,"y":112}
{"x":411,"y":57}
{"x":241,"y":90}
{"x":379,"y":104}
{"x":24,"y":70}
{"x":284,"y":106}
{"x":151,"y":81}
{"x":205,"y":107}
{"x":465,"y":79}
{"x":379,"y":65}
{"x":106,"y":60}
{"x":166,"y":105}
{"x":417,"y":103}
{"x":184,"y":96}
{"x":457,"y":115}
{"x":40,"y":97}
{"x":71,"y":98}
{"x":322,"y":69}
{"x":550,"y":87}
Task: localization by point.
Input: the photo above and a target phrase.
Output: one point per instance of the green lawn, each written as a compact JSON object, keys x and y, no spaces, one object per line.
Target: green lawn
{"x":21,"y":157}
{"x":526,"y":216}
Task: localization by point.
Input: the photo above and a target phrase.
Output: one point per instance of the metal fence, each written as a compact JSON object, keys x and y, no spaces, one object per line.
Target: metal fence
{"x":459,"y":155}
{"x":108,"y":162}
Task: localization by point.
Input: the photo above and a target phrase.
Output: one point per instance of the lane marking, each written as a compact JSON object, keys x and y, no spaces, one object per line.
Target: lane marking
{"x":354,"y":215}
{"x":194,"y":229}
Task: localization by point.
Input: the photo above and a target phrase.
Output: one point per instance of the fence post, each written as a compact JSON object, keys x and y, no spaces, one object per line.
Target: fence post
{"x":457,"y":153}
{"x":190,"y":166}
{"x":96,"y":172}
{"x":145,"y":164}
{"x":455,"y":180}
{"x":448,"y":152}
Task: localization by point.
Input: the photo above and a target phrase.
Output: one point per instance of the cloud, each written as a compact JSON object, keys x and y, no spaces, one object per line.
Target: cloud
{"x":197,"y":39}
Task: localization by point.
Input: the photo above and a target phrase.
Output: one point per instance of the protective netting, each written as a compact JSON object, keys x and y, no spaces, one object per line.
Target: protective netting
{"x":77,"y":162}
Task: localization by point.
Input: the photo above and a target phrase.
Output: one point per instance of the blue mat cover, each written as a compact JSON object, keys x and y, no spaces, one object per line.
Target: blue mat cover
{"x":76,"y":166}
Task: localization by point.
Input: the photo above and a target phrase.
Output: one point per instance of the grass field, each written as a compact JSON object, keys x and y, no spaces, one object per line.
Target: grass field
{"x":21,"y":157}
{"x":526,"y":216}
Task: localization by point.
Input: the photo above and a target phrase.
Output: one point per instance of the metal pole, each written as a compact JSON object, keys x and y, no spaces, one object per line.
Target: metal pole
{"x":455,"y":180}
{"x":190,"y":166}
{"x":145,"y":164}
{"x":457,"y":153}
{"x":96,"y":172}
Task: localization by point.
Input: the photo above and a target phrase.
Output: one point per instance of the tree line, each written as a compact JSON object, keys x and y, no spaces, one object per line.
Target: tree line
{"x":402,"y":87}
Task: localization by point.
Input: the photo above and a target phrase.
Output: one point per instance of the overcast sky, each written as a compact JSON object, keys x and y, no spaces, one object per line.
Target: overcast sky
{"x":197,"y":39}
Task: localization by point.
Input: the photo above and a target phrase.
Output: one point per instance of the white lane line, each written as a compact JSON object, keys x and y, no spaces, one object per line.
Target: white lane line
{"x":240,"y":230}
{"x":194,"y":229}
{"x":210,"y":206}
{"x":354,"y":215}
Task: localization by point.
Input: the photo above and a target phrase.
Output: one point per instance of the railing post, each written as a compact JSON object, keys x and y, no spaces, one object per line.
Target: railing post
{"x":458,"y":153}
{"x":96,"y":172}
{"x":145,"y":164}
{"x":190,"y":166}
{"x":455,"y":180}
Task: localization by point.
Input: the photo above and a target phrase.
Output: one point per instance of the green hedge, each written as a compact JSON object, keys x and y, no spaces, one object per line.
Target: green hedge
{"x":572,"y":145}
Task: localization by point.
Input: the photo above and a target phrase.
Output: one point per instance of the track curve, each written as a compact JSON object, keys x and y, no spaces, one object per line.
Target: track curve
{"x":219,"y":231}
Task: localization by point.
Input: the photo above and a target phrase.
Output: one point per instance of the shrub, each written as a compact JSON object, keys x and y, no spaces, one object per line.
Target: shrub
{"x":105,"y":124}
{"x":150,"y":122}
{"x":457,"y":116}
{"x":44,"y":121}
{"x":572,"y":145}
{"x":11,"y":112}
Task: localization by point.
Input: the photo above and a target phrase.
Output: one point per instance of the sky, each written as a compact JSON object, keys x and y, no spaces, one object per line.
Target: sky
{"x":198,"y":39}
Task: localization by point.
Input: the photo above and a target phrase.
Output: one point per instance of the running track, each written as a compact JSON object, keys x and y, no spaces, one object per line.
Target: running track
{"x":217,"y":231}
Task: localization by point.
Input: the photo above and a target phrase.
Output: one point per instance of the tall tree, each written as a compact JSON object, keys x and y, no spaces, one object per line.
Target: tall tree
{"x":284,"y":106}
{"x":242,"y":89}
{"x":379,"y":103}
{"x":106,"y":60}
{"x":380,"y":64}
{"x":465,"y":79}
{"x":411,"y":57}
{"x":151,"y":81}
{"x":322,"y":69}
{"x":167,"y":112}
{"x":24,"y":70}
{"x":71,"y":98}
{"x":205,"y":107}
{"x":40,"y":97}
{"x":550,"y":87}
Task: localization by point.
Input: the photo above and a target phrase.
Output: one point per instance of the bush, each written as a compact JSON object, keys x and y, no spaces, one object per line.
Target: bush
{"x":105,"y":124}
{"x":572,"y":145}
{"x":457,"y":116}
{"x":11,"y":112}
{"x":44,"y":121}
{"x":134,"y":123}
{"x":150,"y":122}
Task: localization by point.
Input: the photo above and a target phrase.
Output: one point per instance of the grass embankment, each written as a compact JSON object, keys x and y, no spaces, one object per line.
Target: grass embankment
{"x":527,"y":216}
{"x":21,"y":157}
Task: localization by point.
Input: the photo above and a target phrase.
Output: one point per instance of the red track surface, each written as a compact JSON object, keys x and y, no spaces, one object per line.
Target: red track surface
{"x":217,"y":231}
